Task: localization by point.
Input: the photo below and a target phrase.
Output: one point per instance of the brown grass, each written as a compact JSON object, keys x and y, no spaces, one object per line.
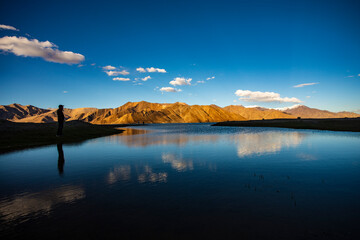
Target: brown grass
{"x":16,"y":136}
{"x":333,"y":124}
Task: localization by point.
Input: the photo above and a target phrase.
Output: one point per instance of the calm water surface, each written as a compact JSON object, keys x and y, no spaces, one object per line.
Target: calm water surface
{"x":184,"y":181}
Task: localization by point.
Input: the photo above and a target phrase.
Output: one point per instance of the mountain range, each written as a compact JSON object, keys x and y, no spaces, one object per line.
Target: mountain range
{"x":146,"y":112}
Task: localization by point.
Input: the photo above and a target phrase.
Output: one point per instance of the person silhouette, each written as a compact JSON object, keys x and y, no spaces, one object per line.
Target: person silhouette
{"x":61,"y":120}
{"x":61,"y":160}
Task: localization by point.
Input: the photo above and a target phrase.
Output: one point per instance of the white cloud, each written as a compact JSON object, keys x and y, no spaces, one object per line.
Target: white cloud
{"x":117,"y":73}
{"x":288,"y":108}
{"x":121,"y":79}
{"x":351,"y":76}
{"x":146,"y":78}
{"x":169,"y":89}
{"x":304,"y":84}
{"x":22,"y":46}
{"x":250,"y":96}
{"x":140,"y":69}
{"x":200,"y":81}
{"x":209,"y":78}
{"x":93,"y":64}
{"x":252,"y":106}
{"x":108,"y":67}
{"x":234,"y":101}
{"x":180,"y":81}
{"x":152,"y":69}
{"x":308,"y":96}
{"x":359,"y":74}
{"x":65,"y":91}
{"x":7,"y":27}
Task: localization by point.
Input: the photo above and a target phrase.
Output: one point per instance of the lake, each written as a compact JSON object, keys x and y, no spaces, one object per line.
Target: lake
{"x":181,"y":181}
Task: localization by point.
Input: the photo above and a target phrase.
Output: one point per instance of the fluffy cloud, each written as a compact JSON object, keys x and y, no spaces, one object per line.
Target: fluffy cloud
{"x":7,"y":27}
{"x":304,"y":84}
{"x":117,"y":73}
{"x":140,"y":69}
{"x":209,"y":78}
{"x":257,"y":96}
{"x":200,"y":81}
{"x":169,"y":89}
{"x":146,"y":78}
{"x":252,"y":106}
{"x":22,"y":46}
{"x":108,"y":67}
{"x":178,"y":81}
{"x":121,"y":79}
{"x":151,"y":69}
{"x":288,"y":108}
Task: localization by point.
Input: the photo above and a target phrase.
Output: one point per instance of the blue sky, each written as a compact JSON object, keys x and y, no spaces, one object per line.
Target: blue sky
{"x":252,"y":52}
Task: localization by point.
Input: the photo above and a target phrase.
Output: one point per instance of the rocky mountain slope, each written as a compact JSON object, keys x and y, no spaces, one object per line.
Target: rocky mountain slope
{"x":306,"y":112}
{"x":135,"y":112}
{"x":14,"y":112}
{"x":139,"y":112}
{"x":257,"y":113}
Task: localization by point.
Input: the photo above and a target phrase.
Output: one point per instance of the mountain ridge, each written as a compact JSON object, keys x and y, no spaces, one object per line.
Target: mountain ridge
{"x":147,"y":112}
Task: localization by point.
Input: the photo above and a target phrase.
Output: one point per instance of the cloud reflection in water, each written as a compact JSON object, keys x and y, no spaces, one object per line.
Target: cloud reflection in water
{"x":119,"y":173}
{"x":42,"y":202}
{"x":265,"y":142}
{"x":149,"y":176}
{"x":177,"y":162}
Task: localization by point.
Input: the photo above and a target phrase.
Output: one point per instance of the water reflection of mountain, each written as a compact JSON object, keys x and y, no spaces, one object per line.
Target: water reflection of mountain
{"x":39,"y":202}
{"x":265,"y":142}
{"x":144,"y":140}
{"x":248,"y":143}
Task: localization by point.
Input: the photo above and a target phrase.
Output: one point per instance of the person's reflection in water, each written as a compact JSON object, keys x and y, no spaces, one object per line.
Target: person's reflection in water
{"x":61,"y":160}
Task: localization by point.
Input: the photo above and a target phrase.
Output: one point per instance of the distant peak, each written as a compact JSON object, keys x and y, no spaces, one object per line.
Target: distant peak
{"x":180,"y":103}
{"x":15,"y":105}
{"x":288,"y":108}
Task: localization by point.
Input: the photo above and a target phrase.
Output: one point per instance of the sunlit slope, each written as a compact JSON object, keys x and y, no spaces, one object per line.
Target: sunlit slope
{"x":146,"y":112}
{"x":140,"y":112}
{"x":257,"y":114}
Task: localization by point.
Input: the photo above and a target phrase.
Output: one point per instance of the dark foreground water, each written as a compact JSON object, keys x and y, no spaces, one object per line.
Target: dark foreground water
{"x":186,"y":181}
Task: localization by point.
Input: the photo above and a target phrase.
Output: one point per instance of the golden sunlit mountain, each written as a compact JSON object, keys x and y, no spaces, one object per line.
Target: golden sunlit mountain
{"x":15,"y":112}
{"x":139,"y":112}
{"x":257,"y":113}
{"x":306,"y":112}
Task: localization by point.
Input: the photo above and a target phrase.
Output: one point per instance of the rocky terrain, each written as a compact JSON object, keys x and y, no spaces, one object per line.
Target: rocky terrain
{"x":146,"y":112}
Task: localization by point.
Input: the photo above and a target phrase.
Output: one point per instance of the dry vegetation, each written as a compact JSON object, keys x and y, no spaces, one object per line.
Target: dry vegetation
{"x":16,"y":136}
{"x":333,"y":124}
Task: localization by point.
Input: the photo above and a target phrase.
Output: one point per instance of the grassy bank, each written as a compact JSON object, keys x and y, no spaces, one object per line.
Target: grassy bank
{"x":16,"y":136}
{"x":333,"y":124}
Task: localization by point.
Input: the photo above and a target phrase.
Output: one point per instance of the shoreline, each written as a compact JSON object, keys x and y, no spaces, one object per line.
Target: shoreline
{"x":330,"y":124}
{"x":19,"y":136}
